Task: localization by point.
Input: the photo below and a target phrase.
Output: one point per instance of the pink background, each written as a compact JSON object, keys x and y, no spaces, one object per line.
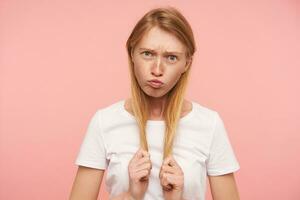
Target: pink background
{"x":62,"y":60}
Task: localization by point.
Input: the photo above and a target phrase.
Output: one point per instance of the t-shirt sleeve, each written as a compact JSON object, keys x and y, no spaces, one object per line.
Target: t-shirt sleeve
{"x":92,"y":152}
{"x":221,"y":159}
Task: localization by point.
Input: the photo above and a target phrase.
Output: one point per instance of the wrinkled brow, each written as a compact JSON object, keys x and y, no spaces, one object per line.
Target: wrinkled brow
{"x":167,"y":52}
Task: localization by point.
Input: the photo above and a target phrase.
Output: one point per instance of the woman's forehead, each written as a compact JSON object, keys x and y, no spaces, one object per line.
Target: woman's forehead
{"x":157,"y":39}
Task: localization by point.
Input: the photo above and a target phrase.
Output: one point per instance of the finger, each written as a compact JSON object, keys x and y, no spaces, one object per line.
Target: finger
{"x":145,"y":178}
{"x":166,"y":172}
{"x":145,"y":166}
{"x":145,"y":153}
{"x":170,"y":161}
{"x":137,"y":153}
{"x":165,"y":183}
{"x":169,"y":169}
{"x":143,"y":160}
{"x":142,"y":175}
{"x":166,"y":160}
{"x":141,"y":153}
{"x":172,"y":179}
{"x":167,"y":188}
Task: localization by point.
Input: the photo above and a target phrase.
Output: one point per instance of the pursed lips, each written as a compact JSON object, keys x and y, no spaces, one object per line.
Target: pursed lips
{"x":155,"y":83}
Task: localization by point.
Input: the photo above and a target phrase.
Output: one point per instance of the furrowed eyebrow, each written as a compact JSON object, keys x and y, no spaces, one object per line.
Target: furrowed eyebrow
{"x":167,"y":52}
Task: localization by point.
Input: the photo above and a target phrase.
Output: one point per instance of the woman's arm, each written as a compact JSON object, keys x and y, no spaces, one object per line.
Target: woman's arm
{"x":223,"y":187}
{"x":86,"y":184}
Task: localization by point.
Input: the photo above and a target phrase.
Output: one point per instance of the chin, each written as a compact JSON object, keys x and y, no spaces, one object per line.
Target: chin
{"x":154,"y":94}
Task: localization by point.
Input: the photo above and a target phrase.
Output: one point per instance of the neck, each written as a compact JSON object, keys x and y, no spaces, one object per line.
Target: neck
{"x":156,"y":107}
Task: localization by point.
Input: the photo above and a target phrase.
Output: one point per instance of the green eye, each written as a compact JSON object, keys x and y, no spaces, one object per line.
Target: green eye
{"x":147,"y":53}
{"x":172,"y":58}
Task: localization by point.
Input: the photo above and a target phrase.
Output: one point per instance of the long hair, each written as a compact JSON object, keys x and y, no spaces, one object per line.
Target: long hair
{"x":171,"y":20}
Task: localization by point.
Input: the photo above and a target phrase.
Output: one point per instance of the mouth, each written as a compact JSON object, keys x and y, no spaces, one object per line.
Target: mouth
{"x":155,"y":84}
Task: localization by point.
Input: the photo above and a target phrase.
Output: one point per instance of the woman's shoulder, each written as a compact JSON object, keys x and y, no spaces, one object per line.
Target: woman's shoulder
{"x":110,"y":109}
{"x":203,"y":109}
{"x":203,"y":113}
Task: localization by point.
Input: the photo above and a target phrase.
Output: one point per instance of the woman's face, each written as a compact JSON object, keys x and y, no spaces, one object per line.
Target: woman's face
{"x":159,"y":55}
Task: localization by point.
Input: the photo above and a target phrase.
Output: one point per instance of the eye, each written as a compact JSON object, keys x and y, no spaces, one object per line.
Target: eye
{"x":147,"y":53}
{"x":172,"y":58}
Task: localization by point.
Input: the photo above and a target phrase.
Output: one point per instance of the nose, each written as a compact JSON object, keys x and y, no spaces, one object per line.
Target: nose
{"x":157,"y":68}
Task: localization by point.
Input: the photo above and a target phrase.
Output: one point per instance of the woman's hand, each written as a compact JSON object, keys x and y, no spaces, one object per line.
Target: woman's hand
{"x":171,"y":179}
{"x":139,"y":170}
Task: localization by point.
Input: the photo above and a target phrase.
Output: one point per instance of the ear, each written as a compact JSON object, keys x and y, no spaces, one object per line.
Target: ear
{"x":188,"y":63}
{"x":131,"y":54}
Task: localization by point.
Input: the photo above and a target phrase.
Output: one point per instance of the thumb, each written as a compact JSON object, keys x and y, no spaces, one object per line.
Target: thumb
{"x":139,"y":153}
{"x":142,"y":153}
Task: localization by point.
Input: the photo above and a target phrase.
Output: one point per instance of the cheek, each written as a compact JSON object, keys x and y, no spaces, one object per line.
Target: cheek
{"x":173,"y":80}
{"x":139,"y":72}
{"x":141,"y":67}
{"x":175,"y":74}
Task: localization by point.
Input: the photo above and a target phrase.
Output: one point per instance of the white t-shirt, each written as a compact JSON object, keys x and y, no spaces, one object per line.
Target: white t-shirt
{"x":201,"y":148}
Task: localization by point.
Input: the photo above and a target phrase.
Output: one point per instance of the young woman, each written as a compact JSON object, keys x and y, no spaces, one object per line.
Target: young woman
{"x":156,"y":144}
